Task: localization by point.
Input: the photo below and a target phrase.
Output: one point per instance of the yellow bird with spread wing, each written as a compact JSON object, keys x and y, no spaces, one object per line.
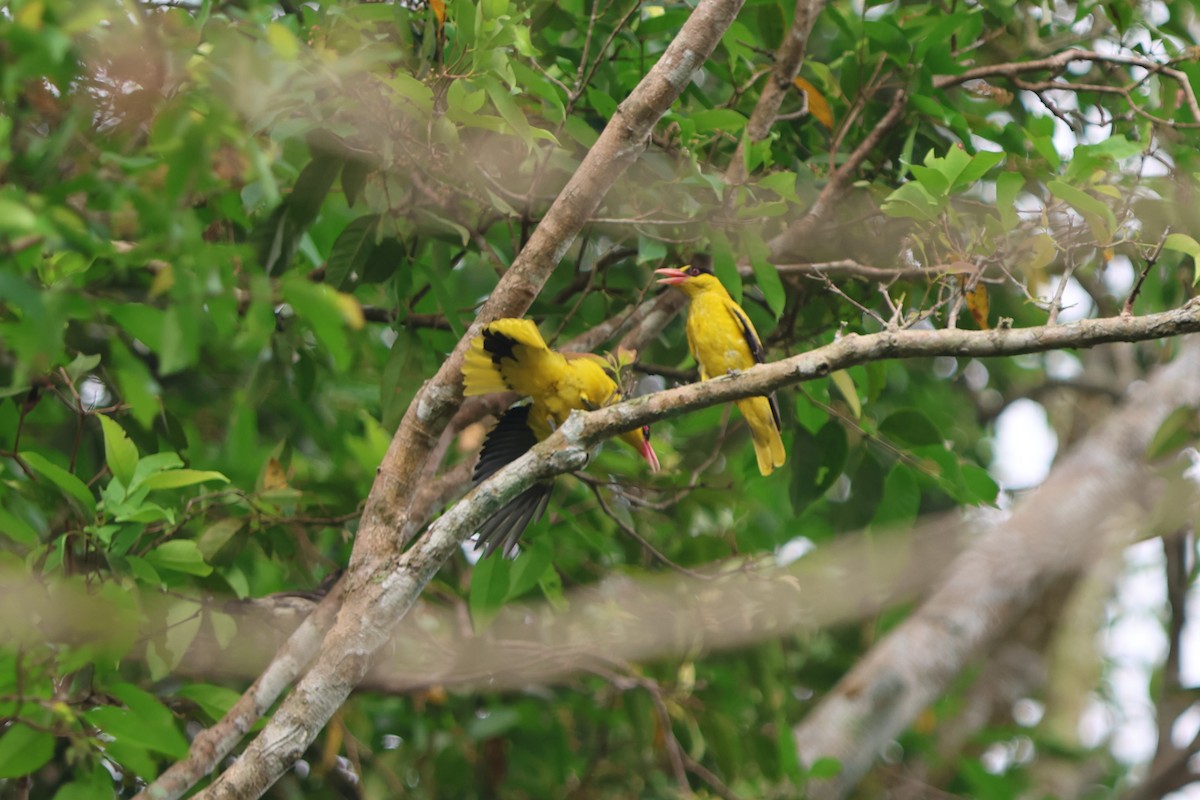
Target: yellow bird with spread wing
{"x":511,"y":355}
{"x":723,"y":340}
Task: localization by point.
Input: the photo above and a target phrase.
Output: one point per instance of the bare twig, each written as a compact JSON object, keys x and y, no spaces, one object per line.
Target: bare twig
{"x":1127,"y":309}
{"x":1056,"y":63}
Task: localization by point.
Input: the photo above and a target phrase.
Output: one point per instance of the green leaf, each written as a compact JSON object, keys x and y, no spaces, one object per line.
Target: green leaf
{"x":322,"y":309}
{"x":490,"y":582}
{"x":650,"y":250}
{"x":215,"y":701}
{"x":125,"y":727}
{"x":771,"y":285}
{"x":158,"y":721}
{"x":817,"y":462}
{"x":1182,"y":243}
{"x":601,"y":102}
{"x":352,"y":250}
{"x":981,"y":486}
{"x":725,"y":120}
{"x":62,"y":479}
{"x":1097,"y":214}
{"x":182,"y":624}
{"x":24,"y":750}
{"x":312,"y":185}
{"x":528,"y":569}
{"x":354,"y":178}
{"x":16,"y":218}
{"x":82,"y":365}
{"x":912,"y":201}
{"x":216,"y":535}
{"x":507,"y":106}
{"x":845,"y":386}
{"x":910,"y":427}
{"x":17,"y":529}
{"x":901,"y":498}
{"x":725,"y":266}
{"x":1008,"y":186}
{"x":826,"y":767}
{"x":981,"y":163}
{"x":1177,"y":431}
{"x":176,"y":478}
{"x":152,"y":465}
{"x":224,"y":628}
{"x":119,"y":452}
{"x":142,"y":322}
{"x":782,"y":183}
{"x":180,"y":555}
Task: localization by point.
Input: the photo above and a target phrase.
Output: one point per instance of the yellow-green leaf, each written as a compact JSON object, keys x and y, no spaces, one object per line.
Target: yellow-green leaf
{"x":120,"y":453}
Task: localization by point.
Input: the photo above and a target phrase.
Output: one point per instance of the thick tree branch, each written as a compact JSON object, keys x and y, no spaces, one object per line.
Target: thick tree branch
{"x":364,"y":622}
{"x":1093,"y":498}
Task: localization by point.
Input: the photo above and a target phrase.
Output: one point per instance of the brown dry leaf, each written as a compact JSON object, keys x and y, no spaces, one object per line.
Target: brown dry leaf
{"x":976,"y":296}
{"x":977,"y":304}
{"x":817,"y":105}
{"x":439,"y":11}
{"x":274,"y":476}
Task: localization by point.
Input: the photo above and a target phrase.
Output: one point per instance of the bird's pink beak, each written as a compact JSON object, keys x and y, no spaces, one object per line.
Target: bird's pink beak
{"x":650,"y":456}
{"x":672,"y":276}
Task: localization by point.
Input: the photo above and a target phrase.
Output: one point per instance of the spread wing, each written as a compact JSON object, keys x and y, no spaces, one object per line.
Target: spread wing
{"x":510,"y":439}
{"x":756,"y":350}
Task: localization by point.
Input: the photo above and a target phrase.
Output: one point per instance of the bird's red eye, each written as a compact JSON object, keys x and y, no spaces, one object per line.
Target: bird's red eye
{"x":646,"y":432}
{"x":694,"y":271}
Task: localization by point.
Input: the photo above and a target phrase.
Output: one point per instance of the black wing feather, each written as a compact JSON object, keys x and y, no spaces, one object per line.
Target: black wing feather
{"x":509,"y":440}
{"x":760,"y":357}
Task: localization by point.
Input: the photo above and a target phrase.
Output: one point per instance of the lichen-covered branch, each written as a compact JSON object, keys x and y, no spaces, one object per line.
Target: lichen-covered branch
{"x":363,"y":623}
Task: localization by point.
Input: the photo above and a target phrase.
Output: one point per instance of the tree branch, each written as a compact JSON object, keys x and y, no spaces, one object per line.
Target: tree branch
{"x":788,"y":59}
{"x":1057,"y":528}
{"x":790,"y":241}
{"x":376,"y":563}
{"x":346,"y":653}
{"x":1059,"y":61}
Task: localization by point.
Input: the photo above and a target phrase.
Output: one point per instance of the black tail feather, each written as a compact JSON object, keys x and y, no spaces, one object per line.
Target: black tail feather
{"x":509,"y":440}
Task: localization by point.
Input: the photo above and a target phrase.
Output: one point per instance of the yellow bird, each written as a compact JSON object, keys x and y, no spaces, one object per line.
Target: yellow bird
{"x":511,"y":355}
{"x":723,"y":340}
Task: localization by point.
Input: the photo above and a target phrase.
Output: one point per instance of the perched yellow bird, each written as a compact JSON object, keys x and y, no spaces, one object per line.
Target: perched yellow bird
{"x":511,"y":355}
{"x":723,"y":340}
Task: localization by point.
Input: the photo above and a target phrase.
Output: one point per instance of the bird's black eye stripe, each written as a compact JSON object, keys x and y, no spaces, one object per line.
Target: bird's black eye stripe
{"x":646,"y":432}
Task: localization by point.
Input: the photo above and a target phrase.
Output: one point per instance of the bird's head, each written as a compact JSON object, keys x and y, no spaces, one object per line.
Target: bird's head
{"x":694,"y":279}
{"x":639,"y":440}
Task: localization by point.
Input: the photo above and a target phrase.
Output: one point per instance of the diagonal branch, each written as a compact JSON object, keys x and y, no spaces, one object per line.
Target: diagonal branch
{"x":362,"y":623}
{"x":792,"y":239}
{"x":788,"y":59}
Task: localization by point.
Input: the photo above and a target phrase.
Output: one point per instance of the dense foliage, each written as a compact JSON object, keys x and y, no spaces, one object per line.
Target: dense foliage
{"x":235,"y":237}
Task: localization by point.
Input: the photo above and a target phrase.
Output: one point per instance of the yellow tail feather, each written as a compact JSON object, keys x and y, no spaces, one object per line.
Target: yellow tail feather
{"x":768,"y":446}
